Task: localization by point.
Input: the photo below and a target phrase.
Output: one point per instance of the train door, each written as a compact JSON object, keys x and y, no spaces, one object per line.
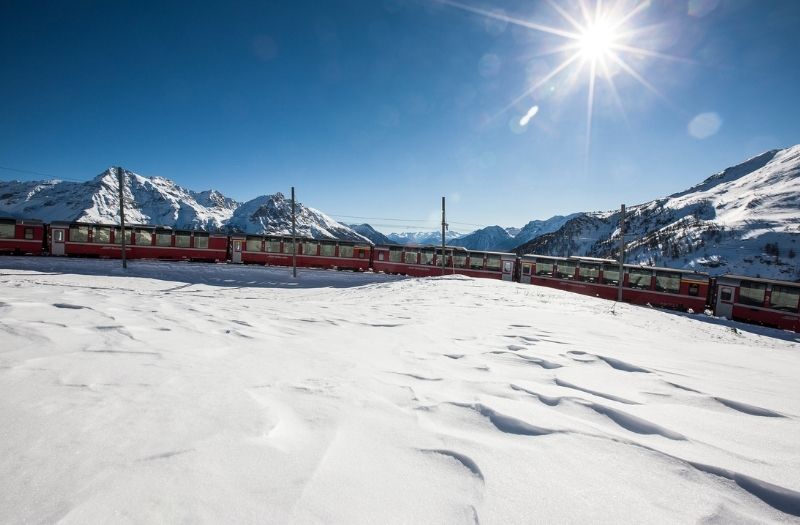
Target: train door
{"x":236,"y":251}
{"x":57,"y":244}
{"x":725,"y":296}
{"x":508,"y":269}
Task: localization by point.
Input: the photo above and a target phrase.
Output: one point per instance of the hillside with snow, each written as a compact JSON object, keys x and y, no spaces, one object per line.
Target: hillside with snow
{"x":745,"y":219}
{"x":429,"y":238}
{"x":159,"y":201}
{"x":203,"y":393}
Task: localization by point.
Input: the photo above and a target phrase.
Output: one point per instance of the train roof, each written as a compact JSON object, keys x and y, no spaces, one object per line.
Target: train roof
{"x":757,"y":279}
{"x":15,"y":220}
{"x":66,"y":224}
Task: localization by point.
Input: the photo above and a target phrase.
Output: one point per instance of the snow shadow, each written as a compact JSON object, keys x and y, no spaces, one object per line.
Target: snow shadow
{"x":736,"y":326}
{"x":191,"y":273}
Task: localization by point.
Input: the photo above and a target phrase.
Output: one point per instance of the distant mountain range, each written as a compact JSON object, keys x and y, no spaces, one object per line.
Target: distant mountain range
{"x":156,"y":200}
{"x":744,"y":219}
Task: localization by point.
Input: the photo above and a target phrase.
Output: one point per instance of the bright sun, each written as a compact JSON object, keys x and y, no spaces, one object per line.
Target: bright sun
{"x":596,"y":40}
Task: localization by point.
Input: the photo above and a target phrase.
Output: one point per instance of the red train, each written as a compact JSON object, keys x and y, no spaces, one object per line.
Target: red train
{"x":753,"y":300}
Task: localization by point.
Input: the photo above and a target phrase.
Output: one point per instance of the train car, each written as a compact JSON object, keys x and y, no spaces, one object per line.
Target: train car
{"x":760,"y":301}
{"x":426,"y":261}
{"x":663,"y":287}
{"x":311,"y":253}
{"x":22,"y":236}
{"x":141,"y":242}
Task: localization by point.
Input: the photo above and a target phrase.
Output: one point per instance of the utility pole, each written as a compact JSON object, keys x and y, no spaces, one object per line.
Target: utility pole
{"x":121,"y":179}
{"x":621,"y":251}
{"x":294,"y":239}
{"x":444,"y":226}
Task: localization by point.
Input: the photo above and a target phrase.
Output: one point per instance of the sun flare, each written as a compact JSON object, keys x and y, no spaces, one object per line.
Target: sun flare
{"x":596,"y":40}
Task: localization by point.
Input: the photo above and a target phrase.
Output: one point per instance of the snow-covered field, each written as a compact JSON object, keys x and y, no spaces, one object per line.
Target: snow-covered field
{"x":219,"y":394}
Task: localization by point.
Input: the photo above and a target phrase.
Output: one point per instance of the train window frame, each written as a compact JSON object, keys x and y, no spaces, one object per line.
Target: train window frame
{"x":288,"y":246}
{"x":79,"y":233}
{"x":494,"y":263}
{"x":566,"y":264}
{"x":637,"y":284}
{"x":144,"y":237}
{"x":427,"y":256}
{"x":183,"y":239}
{"x":346,"y":251}
{"x":668,"y":282}
{"x":164,"y":239}
{"x":609,"y":269}
{"x":694,"y":289}
{"x":726,"y":294}
{"x":101,"y":235}
{"x":254,"y":244}
{"x":310,"y":248}
{"x":583,"y":277}
{"x":746,"y":299}
{"x":272,"y":245}
{"x":472,"y":265}
{"x":28,"y":234}
{"x":410,"y":256}
{"x":395,"y":254}
{"x":787,"y":307}
{"x":8,"y":230}
{"x":327,"y":249}
{"x":458,"y":260}
{"x":546,"y":264}
{"x":201,"y":241}
{"x":526,"y":268}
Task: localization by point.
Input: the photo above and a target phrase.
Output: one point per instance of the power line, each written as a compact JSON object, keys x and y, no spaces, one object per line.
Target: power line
{"x":39,"y":173}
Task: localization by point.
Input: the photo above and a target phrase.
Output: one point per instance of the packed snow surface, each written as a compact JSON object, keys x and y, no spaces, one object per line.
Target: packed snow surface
{"x":220,"y":394}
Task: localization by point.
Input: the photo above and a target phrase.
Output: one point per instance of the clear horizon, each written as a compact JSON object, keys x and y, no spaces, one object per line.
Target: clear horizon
{"x":377,"y":109}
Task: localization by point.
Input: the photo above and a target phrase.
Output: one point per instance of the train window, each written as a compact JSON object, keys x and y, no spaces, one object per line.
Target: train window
{"x":668,"y":282}
{"x":163,"y":238}
{"x":459,"y":261}
{"x":610,"y":274}
{"x":726,"y":295}
{"x":426,"y":256}
{"x":309,"y":248}
{"x":752,"y":293}
{"x":273,"y":245}
{"x":288,"y":246}
{"x":784,"y":298}
{"x":7,"y":230}
{"x":476,"y":261}
{"x":253,"y":244}
{"x":29,"y":233}
{"x":182,"y":239}
{"x":694,"y":289}
{"x":362,"y":252}
{"x":327,"y":249}
{"x":544,"y":267}
{"x":565,"y":269}
{"x":79,"y":233}
{"x":101,"y":235}
{"x":526,"y":268}
{"x":410,"y":257}
{"x":144,"y":238}
{"x":58,"y":236}
{"x":345,"y":251}
{"x":395,"y":255}
{"x":639,"y":279}
{"x":201,"y":240}
{"x":589,"y":273}
{"x":493,"y":263}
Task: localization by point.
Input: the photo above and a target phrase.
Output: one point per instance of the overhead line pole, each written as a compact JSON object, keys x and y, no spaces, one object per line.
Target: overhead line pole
{"x":121,"y":179}
{"x":294,"y":238}
{"x":621,"y":251}
{"x":444,"y":226}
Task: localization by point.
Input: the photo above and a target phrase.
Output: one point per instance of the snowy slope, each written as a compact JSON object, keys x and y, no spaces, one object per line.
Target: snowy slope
{"x":159,"y":201}
{"x":208,"y":394}
{"x":745,"y":219}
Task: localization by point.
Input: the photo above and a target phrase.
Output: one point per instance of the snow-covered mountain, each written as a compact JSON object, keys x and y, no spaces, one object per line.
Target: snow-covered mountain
{"x":156,"y":200}
{"x":370,"y":233}
{"x":745,"y":219}
{"x":433,"y":238}
{"x":490,"y":238}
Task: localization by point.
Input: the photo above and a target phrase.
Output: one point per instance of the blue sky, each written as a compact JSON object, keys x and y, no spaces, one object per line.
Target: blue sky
{"x":377,"y":108}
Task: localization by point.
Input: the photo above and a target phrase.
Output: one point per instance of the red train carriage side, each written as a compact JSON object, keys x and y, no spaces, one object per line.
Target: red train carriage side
{"x":311,"y":253}
{"x":142,"y":242}
{"x":663,"y":287}
{"x":760,"y":301}
{"x":425,"y":261}
{"x":22,"y":237}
